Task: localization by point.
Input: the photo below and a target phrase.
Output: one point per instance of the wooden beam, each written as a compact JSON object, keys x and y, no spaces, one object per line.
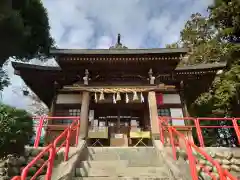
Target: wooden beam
{"x":17,"y":72}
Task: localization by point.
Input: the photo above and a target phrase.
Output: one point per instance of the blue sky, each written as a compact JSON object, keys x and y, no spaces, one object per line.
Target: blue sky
{"x":96,"y":23}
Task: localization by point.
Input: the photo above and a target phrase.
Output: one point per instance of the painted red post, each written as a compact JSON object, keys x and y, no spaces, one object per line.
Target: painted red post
{"x":77,"y":131}
{"x":24,"y":174}
{"x":67,"y":143}
{"x":39,"y":131}
{"x":192,"y":161}
{"x":236,"y":128}
{"x":172,"y":143}
{"x":199,"y":132}
{"x":52,"y":154}
{"x":16,"y":178}
{"x":161,"y":129}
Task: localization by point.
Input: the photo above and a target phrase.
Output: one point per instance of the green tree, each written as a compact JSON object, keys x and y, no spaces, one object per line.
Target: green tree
{"x":224,"y":17}
{"x":224,"y":14}
{"x":4,"y":80}
{"x":215,"y":38}
{"x":16,"y":130}
{"x":24,"y":31}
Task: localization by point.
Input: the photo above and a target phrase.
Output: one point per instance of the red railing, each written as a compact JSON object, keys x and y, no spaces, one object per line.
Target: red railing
{"x":164,"y":127}
{"x":52,"y":149}
{"x":196,"y":124}
{"x":42,"y":122}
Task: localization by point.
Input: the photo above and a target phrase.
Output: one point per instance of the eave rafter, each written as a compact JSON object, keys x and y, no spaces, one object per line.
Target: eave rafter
{"x":118,"y":59}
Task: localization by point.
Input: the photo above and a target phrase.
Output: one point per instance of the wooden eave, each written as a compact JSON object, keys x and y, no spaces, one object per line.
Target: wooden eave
{"x":105,"y":52}
{"x":68,"y":58}
{"x":40,"y":79}
{"x":203,"y":66}
{"x":200,"y":69}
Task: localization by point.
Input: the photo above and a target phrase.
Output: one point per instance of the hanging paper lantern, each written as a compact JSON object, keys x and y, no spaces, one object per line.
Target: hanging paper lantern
{"x":101,"y":96}
{"x":135,"y":96}
{"x":127,"y":99}
{"x":142,"y":98}
{"x":118,"y":98}
{"x":95,"y":97}
{"x":114,"y":99}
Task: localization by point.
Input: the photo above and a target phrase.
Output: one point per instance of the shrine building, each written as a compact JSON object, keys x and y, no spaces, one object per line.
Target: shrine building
{"x":117,"y":92}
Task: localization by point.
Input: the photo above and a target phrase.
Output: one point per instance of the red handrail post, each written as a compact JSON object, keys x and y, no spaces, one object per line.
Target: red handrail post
{"x":192,"y":161}
{"x":67,"y":143}
{"x":236,"y":128}
{"x":199,"y":132}
{"x":24,"y":174}
{"x":77,"y":131}
{"x":161,"y":130}
{"x":172,"y":142}
{"x":52,"y":154}
{"x":39,"y":131}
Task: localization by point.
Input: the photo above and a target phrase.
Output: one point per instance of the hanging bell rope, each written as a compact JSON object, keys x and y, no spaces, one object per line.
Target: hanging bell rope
{"x":119,"y":90}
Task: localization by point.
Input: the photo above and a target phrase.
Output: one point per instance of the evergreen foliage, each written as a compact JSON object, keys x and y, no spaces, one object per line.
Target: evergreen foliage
{"x":16,"y":130}
{"x":213,"y":39}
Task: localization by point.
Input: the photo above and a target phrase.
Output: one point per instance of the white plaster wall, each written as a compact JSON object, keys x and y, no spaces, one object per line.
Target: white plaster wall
{"x":177,"y":113}
{"x":171,"y":99}
{"x":69,"y":99}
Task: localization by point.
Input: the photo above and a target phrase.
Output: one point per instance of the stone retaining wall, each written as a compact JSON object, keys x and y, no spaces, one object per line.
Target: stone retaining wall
{"x":228,"y":158}
{"x":12,"y":166}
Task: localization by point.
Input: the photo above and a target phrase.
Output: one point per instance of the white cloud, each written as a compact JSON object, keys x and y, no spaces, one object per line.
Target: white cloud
{"x":95,"y":24}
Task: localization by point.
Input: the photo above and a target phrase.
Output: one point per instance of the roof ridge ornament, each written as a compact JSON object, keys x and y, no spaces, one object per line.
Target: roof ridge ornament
{"x":118,"y":45}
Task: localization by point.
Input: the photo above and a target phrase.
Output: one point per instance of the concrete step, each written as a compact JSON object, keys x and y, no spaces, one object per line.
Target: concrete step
{"x":125,"y":154}
{"x":162,"y":172}
{"x":124,"y":178}
{"x":105,"y":164}
{"x":136,"y":156}
{"x":133,"y":160}
{"x":104,"y":157}
{"x":96,"y":150}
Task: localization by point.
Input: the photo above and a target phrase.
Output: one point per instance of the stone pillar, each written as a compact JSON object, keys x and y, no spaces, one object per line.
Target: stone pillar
{"x":84,"y":114}
{"x":152,"y":102}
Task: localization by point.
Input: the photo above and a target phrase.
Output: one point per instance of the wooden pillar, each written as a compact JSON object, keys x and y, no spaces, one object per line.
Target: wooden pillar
{"x":118,"y":121}
{"x":84,"y":114}
{"x":152,"y":103}
{"x":183,"y":101}
{"x":186,"y":131}
{"x":146,"y":118}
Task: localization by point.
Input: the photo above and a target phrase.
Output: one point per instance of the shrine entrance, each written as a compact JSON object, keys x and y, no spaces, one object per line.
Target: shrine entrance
{"x":118,"y":124}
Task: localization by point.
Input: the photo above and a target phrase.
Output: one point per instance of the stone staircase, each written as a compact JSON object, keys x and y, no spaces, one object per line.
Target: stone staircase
{"x":133,"y":163}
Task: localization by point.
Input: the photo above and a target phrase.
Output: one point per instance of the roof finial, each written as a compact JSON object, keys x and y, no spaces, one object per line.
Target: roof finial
{"x":119,"y":39}
{"x":118,"y":45}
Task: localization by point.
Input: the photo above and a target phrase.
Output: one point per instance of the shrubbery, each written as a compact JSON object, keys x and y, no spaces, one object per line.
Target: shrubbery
{"x":16,"y":130}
